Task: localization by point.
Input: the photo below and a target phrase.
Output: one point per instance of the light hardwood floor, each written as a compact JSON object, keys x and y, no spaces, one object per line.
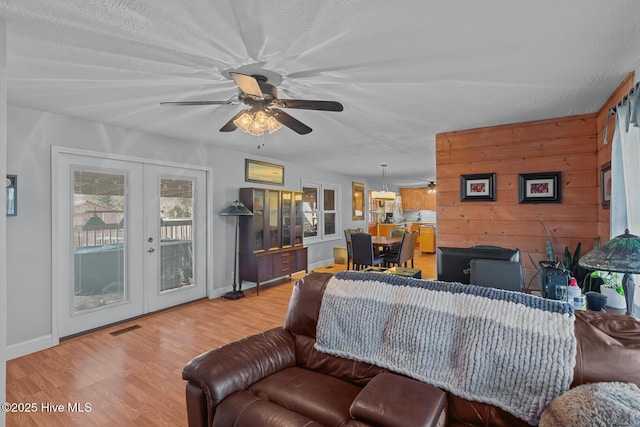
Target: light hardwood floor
{"x":135,"y":378}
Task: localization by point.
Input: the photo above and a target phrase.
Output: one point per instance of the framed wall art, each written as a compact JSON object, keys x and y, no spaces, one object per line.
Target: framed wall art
{"x":605,"y":185}
{"x":12,"y":195}
{"x":357,"y":203}
{"x":478,"y":187}
{"x":540,"y":187}
{"x":263,"y":172}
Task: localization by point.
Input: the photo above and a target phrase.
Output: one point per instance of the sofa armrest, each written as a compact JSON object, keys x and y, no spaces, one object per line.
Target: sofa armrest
{"x":235,"y":366}
{"x":390,"y":400}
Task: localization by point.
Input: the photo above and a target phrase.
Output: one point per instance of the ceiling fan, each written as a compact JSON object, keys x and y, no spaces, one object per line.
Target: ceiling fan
{"x":265,"y":112}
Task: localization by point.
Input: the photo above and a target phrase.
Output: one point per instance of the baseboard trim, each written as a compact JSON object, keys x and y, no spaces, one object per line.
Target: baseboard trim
{"x":320,"y":264}
{"x":30,"y":346}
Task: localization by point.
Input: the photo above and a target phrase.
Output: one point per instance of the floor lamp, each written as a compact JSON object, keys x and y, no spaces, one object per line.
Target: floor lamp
{"x":619,"y":255}
{"x":235,"y":209}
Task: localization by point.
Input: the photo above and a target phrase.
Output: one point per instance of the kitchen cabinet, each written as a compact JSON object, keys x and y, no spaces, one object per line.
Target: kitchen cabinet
{"x":417,"y":199}
{"x":385,"y":229}
{"x":270,"y":242}
{"x":427,"y":239}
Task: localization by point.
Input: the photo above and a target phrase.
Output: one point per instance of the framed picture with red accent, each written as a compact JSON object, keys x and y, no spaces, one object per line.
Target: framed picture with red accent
{"x":542,"y":187}
{"x":478,"y":187}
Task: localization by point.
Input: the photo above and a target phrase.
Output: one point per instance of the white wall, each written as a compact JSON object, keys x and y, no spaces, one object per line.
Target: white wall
{"x":3,"y":223}
{"x":31,"y":134}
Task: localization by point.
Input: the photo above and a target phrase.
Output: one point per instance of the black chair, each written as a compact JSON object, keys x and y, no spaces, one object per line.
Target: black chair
{"x":362,"y":247}
{"x":347,"y":239}
{"x":498,"y":274}
{"x":402,"y":256}
{"x":395,"y":248}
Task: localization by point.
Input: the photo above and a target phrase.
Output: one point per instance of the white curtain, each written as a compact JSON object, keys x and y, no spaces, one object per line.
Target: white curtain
{"x":625,"y":163}
{"x":625,"y":176}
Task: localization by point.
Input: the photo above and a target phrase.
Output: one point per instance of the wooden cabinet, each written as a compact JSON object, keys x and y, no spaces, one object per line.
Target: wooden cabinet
{"x":384,"y":230}
{"x":427,"y":239}
{"x":270,"y":244}
{"x":418,"y":199}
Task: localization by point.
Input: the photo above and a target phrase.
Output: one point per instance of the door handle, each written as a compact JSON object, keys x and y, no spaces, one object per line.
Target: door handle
{"x":151,"y":250}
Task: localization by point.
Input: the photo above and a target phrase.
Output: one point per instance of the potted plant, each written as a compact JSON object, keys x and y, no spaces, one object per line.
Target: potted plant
{"x":570,"y":263}
{"x":611,"y":287}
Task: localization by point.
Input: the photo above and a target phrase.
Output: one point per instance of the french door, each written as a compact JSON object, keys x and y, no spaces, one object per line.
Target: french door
{"x":131,"y":239}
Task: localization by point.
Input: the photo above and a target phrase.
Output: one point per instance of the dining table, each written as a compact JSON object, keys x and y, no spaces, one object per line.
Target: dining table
{"x":383,"y":244}
{"x":384,"y":241}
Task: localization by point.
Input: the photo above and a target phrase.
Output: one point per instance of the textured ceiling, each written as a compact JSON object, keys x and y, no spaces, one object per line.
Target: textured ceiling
{"x":403,"y":70}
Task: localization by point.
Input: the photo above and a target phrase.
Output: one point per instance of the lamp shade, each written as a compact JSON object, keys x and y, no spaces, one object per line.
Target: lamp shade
{"x":236,"y":208}
{"x":620,"y":254}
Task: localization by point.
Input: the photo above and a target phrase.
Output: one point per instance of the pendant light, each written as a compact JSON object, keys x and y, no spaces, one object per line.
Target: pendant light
{"x":383,"y":193}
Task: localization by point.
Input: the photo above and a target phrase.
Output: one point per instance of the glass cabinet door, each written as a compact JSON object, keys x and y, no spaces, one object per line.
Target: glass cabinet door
{"x":258,"y":220}
{"x":298,"y":218}
{"x":287,"y":224}
{"x":274,"y":217}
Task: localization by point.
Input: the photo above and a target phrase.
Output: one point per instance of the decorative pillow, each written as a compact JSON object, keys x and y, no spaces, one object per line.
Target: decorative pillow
{"x":598,"y":404}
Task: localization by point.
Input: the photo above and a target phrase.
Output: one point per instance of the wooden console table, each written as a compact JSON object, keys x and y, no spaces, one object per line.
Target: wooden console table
{"x":268,"y":265}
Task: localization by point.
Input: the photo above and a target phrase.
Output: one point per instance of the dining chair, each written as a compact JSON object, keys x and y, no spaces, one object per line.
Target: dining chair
{"x":412,"y":246}
{"x":347,"y":239}
{"x":402,"y":256}
{"x":395,"y":248}
{"x":362,"y":247}
{"x":397,"y":232}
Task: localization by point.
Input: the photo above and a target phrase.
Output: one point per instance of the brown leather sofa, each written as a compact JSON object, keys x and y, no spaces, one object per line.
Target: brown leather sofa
{"x":277,"y":378}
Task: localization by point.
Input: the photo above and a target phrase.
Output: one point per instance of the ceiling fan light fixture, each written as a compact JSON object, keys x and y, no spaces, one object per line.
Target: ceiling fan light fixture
{"x":273,"y":125}
{"x":256,"y":123}
{"x":244,"y":121}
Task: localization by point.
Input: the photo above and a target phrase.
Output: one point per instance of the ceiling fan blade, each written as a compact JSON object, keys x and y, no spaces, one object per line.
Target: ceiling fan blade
{"x":309,"y":105}
{"x":230,"y":126}
{"x":198,"y":103}
{"x":289,"y":121}
{"x":247,"y":84}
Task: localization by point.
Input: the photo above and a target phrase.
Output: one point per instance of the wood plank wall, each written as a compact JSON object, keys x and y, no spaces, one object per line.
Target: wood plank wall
{"x":573,"y":145}
{"x":565,"y":144}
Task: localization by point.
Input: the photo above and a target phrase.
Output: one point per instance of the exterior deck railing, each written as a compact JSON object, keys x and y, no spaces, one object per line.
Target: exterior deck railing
{"x":110,"y":234}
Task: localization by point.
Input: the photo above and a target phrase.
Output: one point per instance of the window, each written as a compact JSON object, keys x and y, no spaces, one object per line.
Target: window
{"x":321,"y":207}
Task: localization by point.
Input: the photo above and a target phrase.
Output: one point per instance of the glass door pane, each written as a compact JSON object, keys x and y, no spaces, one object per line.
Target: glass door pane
{"x":298,"y":215}
{"x":274,"y":217}
{"x":99,"y":218}
{"x":259,"y":201}
{"x":287,"y":225}
{"x":176,"y":238}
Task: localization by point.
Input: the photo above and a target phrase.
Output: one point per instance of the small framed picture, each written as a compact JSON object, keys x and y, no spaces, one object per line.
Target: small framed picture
{"x":605,"y":185}
{"x":12,"y":195}
{"x":263,"y":172}
{"x":540,"y":187}
{"x":478,"y":187}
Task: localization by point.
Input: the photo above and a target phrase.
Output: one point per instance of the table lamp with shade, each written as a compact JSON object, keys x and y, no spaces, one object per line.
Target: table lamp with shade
{"x":236,"y":209}
{"x":619,"y":255}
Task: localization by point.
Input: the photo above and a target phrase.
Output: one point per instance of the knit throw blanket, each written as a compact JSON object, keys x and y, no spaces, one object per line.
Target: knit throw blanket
{"x":508,"y":349}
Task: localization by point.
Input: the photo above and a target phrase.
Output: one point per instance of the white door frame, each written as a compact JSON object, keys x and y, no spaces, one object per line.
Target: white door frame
{"x":56,"y":152}
{"x":154,"y":298}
